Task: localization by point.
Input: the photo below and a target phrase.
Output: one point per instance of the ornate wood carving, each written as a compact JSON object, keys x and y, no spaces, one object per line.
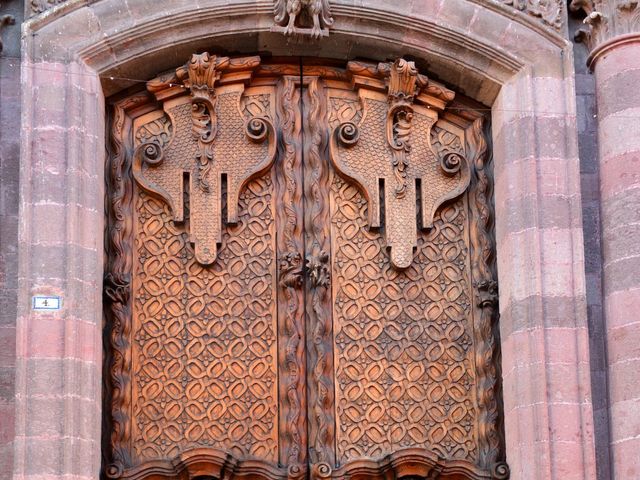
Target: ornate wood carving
{"x":291,"y":254}
{"x":486,"y":331}
{"x":301,"y":350}
{"x":228,"y":145}
{"x":117,"y":285}
{"x":391,"y":145}
{"x":302,"y":17}
{"x":318,"y":292}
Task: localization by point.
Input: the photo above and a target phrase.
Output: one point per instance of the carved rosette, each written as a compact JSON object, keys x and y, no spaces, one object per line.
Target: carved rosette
{"x":607,"y":23}
{"x":228,"y":145}
{"x":392,"y":147}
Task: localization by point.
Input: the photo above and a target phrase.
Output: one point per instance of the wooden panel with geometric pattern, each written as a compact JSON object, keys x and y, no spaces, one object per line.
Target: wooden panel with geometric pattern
{"x":334,"y":314}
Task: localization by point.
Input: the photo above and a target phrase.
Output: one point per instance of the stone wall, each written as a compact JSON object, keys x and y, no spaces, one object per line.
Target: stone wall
{"x":9,"y":173}
{"x":590,"y":185}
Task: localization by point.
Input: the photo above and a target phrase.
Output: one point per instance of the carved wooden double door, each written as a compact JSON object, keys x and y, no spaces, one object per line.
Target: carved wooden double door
{"x":299,"y":278}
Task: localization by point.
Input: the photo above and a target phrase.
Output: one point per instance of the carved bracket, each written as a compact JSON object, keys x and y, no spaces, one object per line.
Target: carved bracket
{"x":215,"y":120}
{"x":392,"y":147}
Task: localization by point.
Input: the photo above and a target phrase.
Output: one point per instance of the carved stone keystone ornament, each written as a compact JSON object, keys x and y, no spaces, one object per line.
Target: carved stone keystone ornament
{"x":289,"y":16}
{"x":299,"y":278}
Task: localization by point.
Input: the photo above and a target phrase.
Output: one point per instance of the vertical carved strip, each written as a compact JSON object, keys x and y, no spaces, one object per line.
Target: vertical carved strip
{"x":117,"y":285}
{"x":487,"y":350}
{"x":291,"y":294}
{"x":318,"y":248}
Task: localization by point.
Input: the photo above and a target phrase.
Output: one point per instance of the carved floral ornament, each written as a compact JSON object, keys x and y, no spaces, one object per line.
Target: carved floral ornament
{"x":606,"y":20}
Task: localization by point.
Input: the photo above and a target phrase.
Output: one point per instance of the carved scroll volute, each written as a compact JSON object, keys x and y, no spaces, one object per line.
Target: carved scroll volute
{"x":403,"y":126}
{"x":214,"y":121}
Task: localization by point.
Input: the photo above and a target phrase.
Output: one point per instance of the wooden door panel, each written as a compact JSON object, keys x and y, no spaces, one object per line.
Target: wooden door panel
{"x":403,"y":339}
{"x":204,"y":351}
{"x":300,"y":277}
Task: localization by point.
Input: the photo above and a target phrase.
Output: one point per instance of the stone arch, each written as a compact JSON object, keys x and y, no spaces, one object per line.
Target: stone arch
{"x":83,"y":51}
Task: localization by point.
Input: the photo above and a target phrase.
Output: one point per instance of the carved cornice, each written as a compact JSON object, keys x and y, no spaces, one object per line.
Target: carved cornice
{"x":552,"y":13}
{"x":608,"y":23}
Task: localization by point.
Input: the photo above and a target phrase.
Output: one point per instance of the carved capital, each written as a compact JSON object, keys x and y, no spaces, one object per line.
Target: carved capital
{"x":403,"y":80}
{"x":608,"y":23}
{"x":203,"y":71}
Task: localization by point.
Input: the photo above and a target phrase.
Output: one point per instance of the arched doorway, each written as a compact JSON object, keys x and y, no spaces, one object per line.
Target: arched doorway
{"x":310,"y":257}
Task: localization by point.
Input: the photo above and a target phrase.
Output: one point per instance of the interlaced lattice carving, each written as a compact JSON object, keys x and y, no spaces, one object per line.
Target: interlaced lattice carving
{"x":205,"y":341}
{"x":403,"y":338}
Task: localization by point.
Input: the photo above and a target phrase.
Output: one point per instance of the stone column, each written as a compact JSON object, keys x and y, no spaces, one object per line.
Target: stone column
{"x":58,"y":353}
{"x":613,"y":37}
{"x":543,"y":319}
